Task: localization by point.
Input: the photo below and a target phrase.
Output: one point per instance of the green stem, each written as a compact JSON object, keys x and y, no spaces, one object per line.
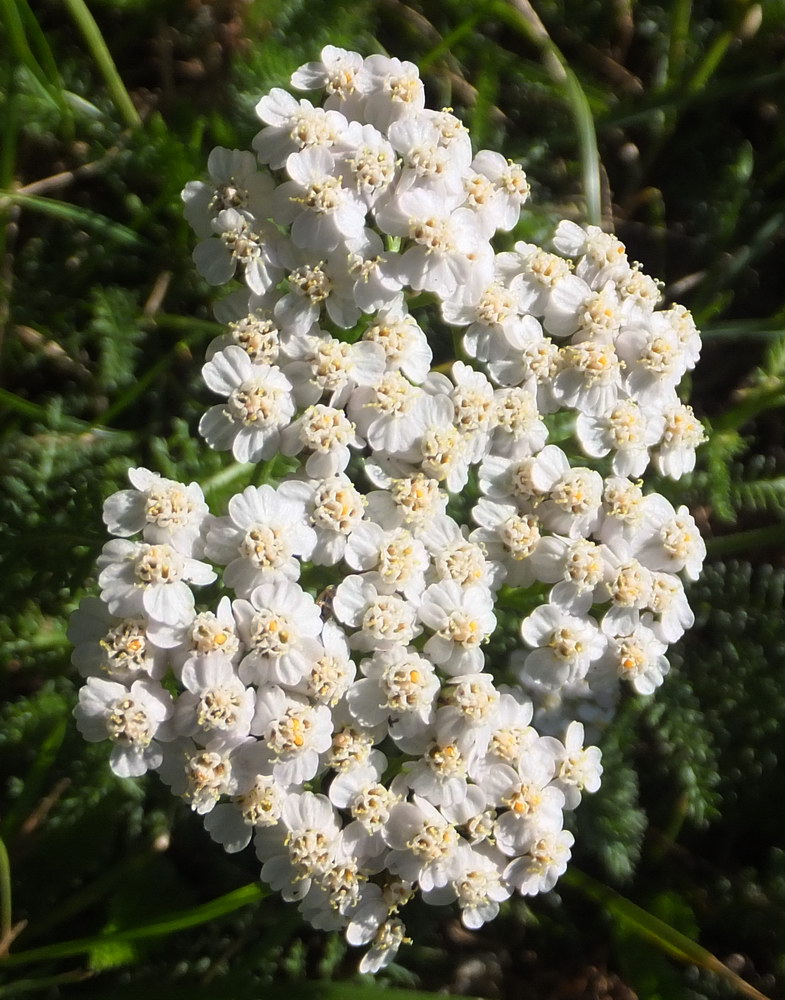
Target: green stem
{"x":100,"y":53}
{"x":525,"y":19}
{"x":179,"y":921}
{"x":742,"y":541}
{"x":225,"y":476}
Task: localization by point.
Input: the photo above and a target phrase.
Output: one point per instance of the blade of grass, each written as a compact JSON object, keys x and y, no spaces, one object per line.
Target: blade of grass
{"x":656,"y":931}
{"x":181,"y":920}
{"x":72,"y":213}
{"x":6,"y":911}
{"x":22,"y":986}
{"x":523,"y":16}
{"x":677,"y":46}
{"x":47,"y":62}
{"x":20,"y":46}
{"x":33,"y":783}
{"x":103,"y":59}
{"x":447,"y":43}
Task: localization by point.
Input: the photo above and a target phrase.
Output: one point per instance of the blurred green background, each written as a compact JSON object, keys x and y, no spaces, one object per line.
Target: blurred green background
{"x":663,"y":121}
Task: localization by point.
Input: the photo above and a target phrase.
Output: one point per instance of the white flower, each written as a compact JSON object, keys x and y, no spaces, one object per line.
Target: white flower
{"x":564,"y":645}
{"x":369,"y":161}
{"x":671,"y":614}
{"x":259,"y":803}
{"x":439,"y":775}
{"x":390,"y":414}
{"x":411,"y":501}
{"x":578,"y":768}
{"x":251,"y":326}
{"x":326,"y":365}
{"x":600,"y":251}
{"x":578,"y":566}
{"x":510,"y":539}
{"x":383,"y":620}
{"x":574,"y":494}
{"x":164,"y":510}
{"x":261,"y":538}
{"x":384,"y":946}
{"x":475,"y":409}
{"x":200,"y":776}
{"x":441,"y":451}
{"x":331,"y":676}
{"x":280,"y":626}
{"x":259,"y":406}
{"x":302,"y":846}
{"x":654,"y":358}
{"x":367,"y":272}
{"x":139,"y":579}
{"x":511,"y":734}
{"x":539,"y":868}
{"x":542,"y":273}
{"x":322,"y":213}
{"x":293,"y":125}
{"x":457,"y":557}
{"x":216,"y":702}
{"x":468,"y":713}
{"x":427,"y":164}
{"x":682,"y":434}
{"x":397,"y":559}
{"x":326,"y":433}
{"x":394,"y":90}
{"x":424,"y":844}
{"x":478,"y":887}
{"x":532,"y":803}
{"x":519,"y":429}
{"x":669,"y":539}
{"x":447,"y":242}
{"x":510,"y":186}
{"x":462,"y":619}
{"x":129,"y":717}
{"x":511,"y":479}
{"x":626,"y":429}
{"x":589,"y":378}
{"x":293,"y":733}
{"x":117,"y":648}
{"x":239,"y":240}
{"x":405,"y":346}
{"x":399,"y":686}
{"x":334,"y":508}
{"x":338,"y":71}
{"x":205,"y":633}
{"x":574,"y":308}
{"x":638,"y":658}
{"x":236,"y":183}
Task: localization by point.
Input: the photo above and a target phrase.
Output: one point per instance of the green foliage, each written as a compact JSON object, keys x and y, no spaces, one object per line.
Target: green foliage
{"x":102,"y":327}
{"x":611,"y":824}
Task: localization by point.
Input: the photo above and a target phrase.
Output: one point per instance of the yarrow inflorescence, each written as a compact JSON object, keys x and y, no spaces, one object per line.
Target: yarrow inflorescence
{"x":339,"y":706}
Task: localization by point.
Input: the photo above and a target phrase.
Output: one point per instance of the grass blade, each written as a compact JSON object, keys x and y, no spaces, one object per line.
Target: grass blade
{"x":656,"y":931}
{"x":179,"y":921}
{"x":523,"y":16}
{"x":72,"y":213}
{"x":103,"y":59}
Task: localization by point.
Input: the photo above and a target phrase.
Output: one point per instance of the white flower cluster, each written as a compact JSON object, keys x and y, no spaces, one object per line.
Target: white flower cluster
{"x":337,"y":707}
